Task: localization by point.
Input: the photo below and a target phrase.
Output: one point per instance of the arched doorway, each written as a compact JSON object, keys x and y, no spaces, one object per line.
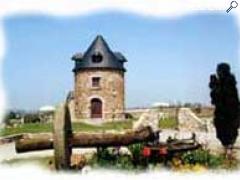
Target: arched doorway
{"x":96,"y":108}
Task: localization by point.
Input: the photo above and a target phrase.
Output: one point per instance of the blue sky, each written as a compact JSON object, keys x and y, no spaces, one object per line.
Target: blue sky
{"x":169,"y":60}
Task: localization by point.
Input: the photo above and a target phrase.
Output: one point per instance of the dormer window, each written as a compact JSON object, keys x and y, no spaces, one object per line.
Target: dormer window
{"x":97,"y":58}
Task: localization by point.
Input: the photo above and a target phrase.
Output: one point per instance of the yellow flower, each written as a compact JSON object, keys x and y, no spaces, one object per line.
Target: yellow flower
{"x":198,"y":168}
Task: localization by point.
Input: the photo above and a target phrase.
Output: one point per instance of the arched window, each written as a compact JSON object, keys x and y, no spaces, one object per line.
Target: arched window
{"x":97,"y":58}
{"x":96,"y":108}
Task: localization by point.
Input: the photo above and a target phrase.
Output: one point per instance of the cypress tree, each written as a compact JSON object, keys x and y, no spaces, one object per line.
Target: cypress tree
{"x":224,"y":96}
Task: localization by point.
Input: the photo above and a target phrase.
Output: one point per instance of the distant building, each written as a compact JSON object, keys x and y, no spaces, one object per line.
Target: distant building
{"x":161,"y":104}
{"x":99,"y":82}
{"x":46,"y":114}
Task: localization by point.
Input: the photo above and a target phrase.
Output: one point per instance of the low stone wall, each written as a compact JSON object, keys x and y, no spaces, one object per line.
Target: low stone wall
{"x":164,"y":112}
{"x":188,"y":121}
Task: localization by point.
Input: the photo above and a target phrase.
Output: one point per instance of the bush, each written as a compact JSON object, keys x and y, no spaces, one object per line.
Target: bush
{"x":202,"y":157}
{"x":129,"y":116}
{"x":197,"y":160}
{"x":31,"y":118}
{"x":124,"y":162}
{"x":10,"y":115}
{"x":139,"y":161}
{"x":104,"y":157}
{"x":110,"y":158}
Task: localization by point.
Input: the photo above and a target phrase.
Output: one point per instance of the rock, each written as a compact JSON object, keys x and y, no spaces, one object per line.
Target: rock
{"x":150,"y":118}
{"x":188,"y":121}
{"x":78,"y":161}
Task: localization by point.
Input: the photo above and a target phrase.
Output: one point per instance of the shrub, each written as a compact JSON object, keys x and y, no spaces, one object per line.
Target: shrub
{"x":138,"y":160}
{"x":124,"y":162}
{"x":224,"y":96}
{"x":129,"y":116}
{"x":109,"y":158}
{"x":31,"y":118}
{"x":7,"y":118}
{"x":202,"y":157}
{"x":104,"y":157}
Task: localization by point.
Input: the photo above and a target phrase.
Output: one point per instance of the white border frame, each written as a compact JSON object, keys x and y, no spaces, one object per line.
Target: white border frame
{"x":150,"y":8}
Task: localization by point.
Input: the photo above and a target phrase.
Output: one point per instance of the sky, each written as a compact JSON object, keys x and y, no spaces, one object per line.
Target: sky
{"x":169,"y":59}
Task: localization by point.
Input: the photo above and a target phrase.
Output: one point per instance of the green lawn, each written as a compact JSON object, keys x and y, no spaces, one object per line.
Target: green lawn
{"x":169,"y":123}
{"x":39,"y":127}
{"x":106,"y":126}
{"x":26,"y":128}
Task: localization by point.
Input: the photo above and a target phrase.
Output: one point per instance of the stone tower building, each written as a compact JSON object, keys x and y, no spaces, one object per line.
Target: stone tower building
{"x":99,"y":82}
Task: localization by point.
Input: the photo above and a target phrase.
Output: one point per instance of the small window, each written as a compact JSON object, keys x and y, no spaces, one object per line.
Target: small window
{"x":96,"y":82}
{"x":97,"y":58}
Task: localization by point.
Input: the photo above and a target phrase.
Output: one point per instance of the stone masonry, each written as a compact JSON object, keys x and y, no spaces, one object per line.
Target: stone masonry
{"x":110,"y":92}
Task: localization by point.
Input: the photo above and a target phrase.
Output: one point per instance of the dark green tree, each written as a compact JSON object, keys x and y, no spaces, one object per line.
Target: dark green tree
{"x":224,"y":96}
{"x":31,"y":118}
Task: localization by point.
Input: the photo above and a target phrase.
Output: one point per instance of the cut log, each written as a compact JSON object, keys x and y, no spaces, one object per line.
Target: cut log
{"x":84,"y":140}
{"x":33,"y":142}
{"x":112,"y":139}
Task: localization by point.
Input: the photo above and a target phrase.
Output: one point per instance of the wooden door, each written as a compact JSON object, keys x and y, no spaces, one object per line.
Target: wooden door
{"x":96,"y":108}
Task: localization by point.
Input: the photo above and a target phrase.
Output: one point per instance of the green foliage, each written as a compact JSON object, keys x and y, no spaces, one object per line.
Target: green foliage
{"x":129,"y":116}
{"x":105,"y":158}
{"x":138,"y":159}
{"x":110,"y":158}
{"x":136,"y":149}
{"x":224,"y":96}
{"x":7,"y":118}
{"x":11,"y":118}
{"x":31,"y":118}
{"x":124,"y":162}
{"x":202,"y":157}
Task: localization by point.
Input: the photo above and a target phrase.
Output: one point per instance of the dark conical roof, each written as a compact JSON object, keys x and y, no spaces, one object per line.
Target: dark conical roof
{"x":105,"y":58}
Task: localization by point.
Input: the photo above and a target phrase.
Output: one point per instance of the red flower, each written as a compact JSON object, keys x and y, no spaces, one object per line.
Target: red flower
{"x":146,"y":151}
{"x":163,"y":151}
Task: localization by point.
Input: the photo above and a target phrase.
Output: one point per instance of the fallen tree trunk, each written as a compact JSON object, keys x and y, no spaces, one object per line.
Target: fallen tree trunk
{"x":83,"y":140}
{"x":33,"y":142}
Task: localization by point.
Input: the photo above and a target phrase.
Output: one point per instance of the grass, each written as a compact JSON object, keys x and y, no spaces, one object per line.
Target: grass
{"x":47,"y":127}
{"x":169,"y":123}
{"x":27,"y":128}
{"x":106,"y":126}
{"x":40,"y":127}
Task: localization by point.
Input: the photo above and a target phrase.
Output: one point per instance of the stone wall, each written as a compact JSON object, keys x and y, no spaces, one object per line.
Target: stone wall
{"x":164,"y":112}
{"x":111,"y":93}
{"x":190,"y":122}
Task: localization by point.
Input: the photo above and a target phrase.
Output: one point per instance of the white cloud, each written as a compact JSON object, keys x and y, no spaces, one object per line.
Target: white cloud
{"x":155,"y":8}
